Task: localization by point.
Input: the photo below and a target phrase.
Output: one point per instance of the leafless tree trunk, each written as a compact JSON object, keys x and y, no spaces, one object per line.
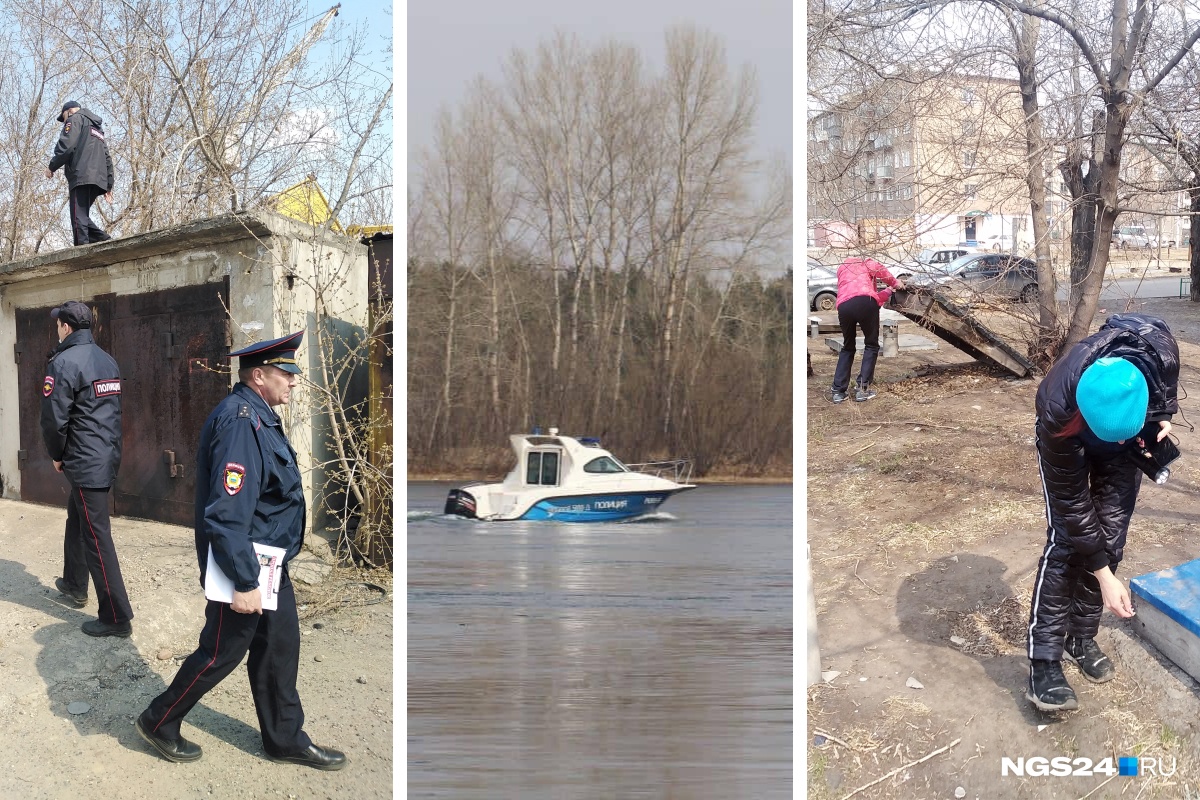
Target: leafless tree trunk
{"x":709,"y":121}
{"x":1025,"y":34}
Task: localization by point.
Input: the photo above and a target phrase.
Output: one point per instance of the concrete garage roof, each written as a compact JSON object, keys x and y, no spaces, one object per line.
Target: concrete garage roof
{"x":214,"y":230}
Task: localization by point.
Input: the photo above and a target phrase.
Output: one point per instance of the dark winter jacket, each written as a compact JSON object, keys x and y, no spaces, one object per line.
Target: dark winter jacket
{"x":81,"y":411}
{"x":82,"y":152}
{"x":1076,"y":491}
{"x":248,"y":488}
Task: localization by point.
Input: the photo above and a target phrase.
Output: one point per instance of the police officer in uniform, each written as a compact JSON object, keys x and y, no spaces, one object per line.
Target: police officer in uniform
{"x":81,"y":425}
{"x":248,"y":490}
{"x":83,"y":154}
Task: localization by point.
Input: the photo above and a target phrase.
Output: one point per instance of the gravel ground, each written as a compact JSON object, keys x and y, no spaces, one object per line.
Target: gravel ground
{"x":50,"y":668}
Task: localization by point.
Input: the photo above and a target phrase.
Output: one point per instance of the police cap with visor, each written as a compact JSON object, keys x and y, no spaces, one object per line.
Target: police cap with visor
{"x":279,"y":353}
{"x":67,"y":106}
{"x":73,"y":313}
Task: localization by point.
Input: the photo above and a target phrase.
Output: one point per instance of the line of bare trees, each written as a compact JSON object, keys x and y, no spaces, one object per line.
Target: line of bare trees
{"x":592,"y":246}
{"x":1109,"y":103}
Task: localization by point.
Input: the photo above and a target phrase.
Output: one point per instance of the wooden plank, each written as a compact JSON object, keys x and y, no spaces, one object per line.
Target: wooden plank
{"x":907,"y":341}
{"x":955,"y":325}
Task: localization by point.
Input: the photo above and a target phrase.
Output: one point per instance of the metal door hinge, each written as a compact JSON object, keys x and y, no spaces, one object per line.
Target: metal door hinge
{"x":175,"y":470}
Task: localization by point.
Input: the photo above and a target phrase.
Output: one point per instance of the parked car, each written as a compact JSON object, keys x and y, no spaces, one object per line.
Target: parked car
{"x":1000,"y":242}
{"x":1133,"y":236}
{"x":984,"y":275}
{"x":822,"y":287}
{"x":933,"y":260}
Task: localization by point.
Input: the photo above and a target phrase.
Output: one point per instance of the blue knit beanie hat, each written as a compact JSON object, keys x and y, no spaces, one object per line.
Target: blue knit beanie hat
{"x":1112,"y":396}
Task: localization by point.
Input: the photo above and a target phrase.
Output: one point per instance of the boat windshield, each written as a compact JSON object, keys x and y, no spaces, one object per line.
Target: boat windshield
{"x":604,"y":465}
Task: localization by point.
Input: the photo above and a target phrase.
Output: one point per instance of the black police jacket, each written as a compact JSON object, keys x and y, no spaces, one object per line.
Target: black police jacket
{"x":1076,"y":502}
{"x":82,"y":152}
{"x":248,"y":488}
{"x":81,"y":411}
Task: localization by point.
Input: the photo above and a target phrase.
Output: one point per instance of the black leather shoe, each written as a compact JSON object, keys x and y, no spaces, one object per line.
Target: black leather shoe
{"x":78,"y":599}
{"x":94,"y":627}
{"x":315,"y":756}
{"x":177,"y":750}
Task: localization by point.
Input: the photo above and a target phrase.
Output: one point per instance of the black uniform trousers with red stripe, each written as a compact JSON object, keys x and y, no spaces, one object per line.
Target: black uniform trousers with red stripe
{"x":88,"y":549}
{"x":273,"y":640}
{"x":83,"y":229}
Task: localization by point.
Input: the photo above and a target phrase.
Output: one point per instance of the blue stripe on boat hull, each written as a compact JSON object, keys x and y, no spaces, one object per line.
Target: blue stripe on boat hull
{"x":597,"y":508}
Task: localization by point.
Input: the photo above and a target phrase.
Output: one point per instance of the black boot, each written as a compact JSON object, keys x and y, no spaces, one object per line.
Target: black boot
{"x":1091,"y":661}
{"x":1048,"y":687}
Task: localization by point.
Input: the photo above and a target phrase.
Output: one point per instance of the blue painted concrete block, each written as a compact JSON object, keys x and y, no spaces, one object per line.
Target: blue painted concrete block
{"x":1174,"y":591}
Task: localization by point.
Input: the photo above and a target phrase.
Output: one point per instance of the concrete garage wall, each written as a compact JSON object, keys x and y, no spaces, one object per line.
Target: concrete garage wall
{"x":268,"y":260}
{"x":337,"y":267}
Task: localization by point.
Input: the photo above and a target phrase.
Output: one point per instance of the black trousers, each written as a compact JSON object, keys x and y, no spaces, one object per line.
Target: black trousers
{"x":273,"y":640}
{"x":82,"y":228}
{"x":1066,"y":595}
{"x":861,"y":311}
{"x":88,"y":549}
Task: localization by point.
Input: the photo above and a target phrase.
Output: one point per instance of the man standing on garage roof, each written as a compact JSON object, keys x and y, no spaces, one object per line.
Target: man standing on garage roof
{"x":248,"y":491}
{"x":83,"y":155}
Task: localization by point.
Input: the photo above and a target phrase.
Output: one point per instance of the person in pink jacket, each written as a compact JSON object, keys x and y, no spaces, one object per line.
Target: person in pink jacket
{"x":858,"y":303}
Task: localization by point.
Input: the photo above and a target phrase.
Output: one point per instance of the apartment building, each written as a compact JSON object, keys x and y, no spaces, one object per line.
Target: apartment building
{"x":920,"y":162}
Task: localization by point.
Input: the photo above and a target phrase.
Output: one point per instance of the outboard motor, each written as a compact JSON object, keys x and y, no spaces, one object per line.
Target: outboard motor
{"x":460,"y":502}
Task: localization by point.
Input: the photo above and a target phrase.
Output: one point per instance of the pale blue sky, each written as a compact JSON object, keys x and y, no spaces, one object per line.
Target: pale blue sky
{"x":449,"y":42}
{"x":378,"y":14}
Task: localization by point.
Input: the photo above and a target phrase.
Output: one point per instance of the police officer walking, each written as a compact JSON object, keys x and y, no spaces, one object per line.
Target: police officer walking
{"x":81,"y":425}
{"x":248,"y":491}
{"x":83,"y":154}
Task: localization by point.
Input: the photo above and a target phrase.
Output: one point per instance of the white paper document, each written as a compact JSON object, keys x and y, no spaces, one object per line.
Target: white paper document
{"x":218,"y":586}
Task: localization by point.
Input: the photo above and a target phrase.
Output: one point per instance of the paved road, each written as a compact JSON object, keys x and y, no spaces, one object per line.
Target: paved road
{"x":1132,"y":287}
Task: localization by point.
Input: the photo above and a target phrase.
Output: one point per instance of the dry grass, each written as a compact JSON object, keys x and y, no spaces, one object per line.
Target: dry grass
{"x":343,"y":589}
{"x":897,"y":708}
{"x":974,"y":525}
{"x":993,"y":631}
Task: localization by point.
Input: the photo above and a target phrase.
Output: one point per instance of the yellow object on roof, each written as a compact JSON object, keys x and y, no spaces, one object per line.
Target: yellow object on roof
{"x":366,"y":231}
{"x":305,"y":202}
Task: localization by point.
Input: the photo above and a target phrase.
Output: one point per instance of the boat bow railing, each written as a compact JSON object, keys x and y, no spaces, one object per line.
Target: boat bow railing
{"x":679,"y":470}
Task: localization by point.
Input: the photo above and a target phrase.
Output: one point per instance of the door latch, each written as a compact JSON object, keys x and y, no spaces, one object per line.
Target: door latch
{"x":173,"y":469}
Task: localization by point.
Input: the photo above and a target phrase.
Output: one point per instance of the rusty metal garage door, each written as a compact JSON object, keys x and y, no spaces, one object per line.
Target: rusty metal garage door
{"x":172,"y":348}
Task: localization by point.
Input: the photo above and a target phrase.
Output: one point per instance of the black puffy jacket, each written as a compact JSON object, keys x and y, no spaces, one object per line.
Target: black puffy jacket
{"x":81,"y":411}
{"x":1075,"y":512}
{"x":83,"y":153}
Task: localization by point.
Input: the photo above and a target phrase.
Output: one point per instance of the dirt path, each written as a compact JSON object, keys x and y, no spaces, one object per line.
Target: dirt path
{"x":48,"y":665}
{"x":926,"y":522}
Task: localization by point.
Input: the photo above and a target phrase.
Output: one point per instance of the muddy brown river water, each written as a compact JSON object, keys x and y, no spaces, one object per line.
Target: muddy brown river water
{"x":645,"y":659}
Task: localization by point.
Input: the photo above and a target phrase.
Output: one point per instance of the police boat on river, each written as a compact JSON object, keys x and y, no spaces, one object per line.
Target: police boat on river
{"x":570,"y":479}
